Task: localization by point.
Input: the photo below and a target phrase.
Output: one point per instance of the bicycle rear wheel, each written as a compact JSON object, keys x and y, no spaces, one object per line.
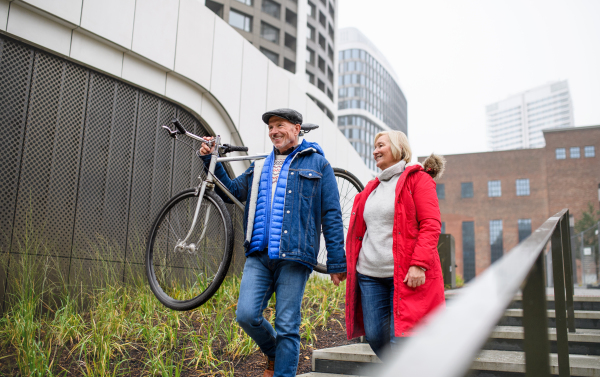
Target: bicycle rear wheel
{"x":185,"y":276}
{"x":348,"y":187}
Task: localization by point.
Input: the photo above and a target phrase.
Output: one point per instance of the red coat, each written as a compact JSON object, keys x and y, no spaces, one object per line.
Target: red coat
{"x":416,"y":232}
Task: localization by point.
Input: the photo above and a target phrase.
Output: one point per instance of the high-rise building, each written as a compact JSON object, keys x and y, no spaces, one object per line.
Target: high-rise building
{"x":369,"y":97}
{"x":297,"y":35}
{"x":517,"y":122}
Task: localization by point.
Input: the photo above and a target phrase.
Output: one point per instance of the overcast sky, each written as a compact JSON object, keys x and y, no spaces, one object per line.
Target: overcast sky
{"x":454,"y":57}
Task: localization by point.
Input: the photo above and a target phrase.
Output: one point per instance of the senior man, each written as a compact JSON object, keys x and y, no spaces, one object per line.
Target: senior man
{"x":290,"y":196}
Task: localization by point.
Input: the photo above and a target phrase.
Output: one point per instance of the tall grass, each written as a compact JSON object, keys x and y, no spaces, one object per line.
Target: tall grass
{"x":49,"y":328}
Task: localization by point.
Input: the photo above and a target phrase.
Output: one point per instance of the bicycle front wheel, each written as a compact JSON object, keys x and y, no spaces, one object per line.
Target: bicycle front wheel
{"x":184,"y":274}
{"x":348,"y":187}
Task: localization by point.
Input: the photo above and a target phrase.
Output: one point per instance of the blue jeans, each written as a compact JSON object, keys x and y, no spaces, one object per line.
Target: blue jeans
{"x":287,"y":279}
{"x":377,"y":298}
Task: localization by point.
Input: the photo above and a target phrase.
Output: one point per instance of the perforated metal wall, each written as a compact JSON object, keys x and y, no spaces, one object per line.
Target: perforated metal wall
{"x":85,"y":166}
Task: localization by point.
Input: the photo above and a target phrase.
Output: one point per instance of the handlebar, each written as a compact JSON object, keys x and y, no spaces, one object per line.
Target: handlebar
{"x":232,"y":148}
{"x":179,"y":127}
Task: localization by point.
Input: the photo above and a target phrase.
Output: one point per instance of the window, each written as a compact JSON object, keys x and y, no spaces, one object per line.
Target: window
{"x":290,"y":42}
{"x":321,"y":85}
{"x":331,"y":32}
{"x":561,"y":153}
{"x":496,"y":239}
{"x":330,"y":94}
{"x":468,"y":241}
{"x":574,"y":152}
{"x":330,"y":52}
{"x":330,"y":75}
{"x":289,"y":65}
{"x":247,"y":2}
{"x":589,"y":151}
{"x":440,"y":189}
{"x":331,"y":11}
{"x":310,"y":32}
{"x":268,"y":32}
{"x":310,"y":77}
{"x":443,"y":227}
{"x":271,"y":55}
{"x":494,"y":189}
{"x":215,"y":7}
{"x":240,"y":20}
{"x":312,"y":10}
{"x":466,"y":190}
{"x":321,"y":64}
{"x":524,"y":228}
{"x":523,"y":187}
{"x":310,"y":56}
{"x":322,"y":19}
{"x":272,"y":8}
{"x":291,"y":18}
{"x":322,"y":42}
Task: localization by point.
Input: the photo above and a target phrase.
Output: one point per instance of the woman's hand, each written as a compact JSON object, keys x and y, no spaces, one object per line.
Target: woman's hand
{"x":338,"y":278}
{"x":414,"y":277}
{"x":205,"y":149}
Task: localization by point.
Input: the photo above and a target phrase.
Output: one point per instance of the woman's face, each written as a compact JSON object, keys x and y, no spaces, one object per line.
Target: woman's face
{"x":383,"y":153}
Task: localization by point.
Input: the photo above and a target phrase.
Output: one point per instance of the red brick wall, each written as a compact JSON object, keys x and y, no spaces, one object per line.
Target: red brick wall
{"x":572,"y":183}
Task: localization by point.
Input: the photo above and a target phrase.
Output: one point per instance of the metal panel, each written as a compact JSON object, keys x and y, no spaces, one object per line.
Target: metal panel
{"x":50,"y":162}
{"x":16,"y":63}
{"x":86,"y":168}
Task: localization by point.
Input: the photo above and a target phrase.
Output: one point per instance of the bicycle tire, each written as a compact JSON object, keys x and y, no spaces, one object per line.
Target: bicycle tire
{"x":184,"y":279}
{"x":348,"y":186}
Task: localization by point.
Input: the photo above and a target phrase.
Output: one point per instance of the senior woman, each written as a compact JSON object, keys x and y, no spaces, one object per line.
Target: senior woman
{"x":394,"y":270}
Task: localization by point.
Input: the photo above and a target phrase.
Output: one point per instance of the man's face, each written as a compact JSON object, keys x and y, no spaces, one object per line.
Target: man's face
{"x":283,"y":133}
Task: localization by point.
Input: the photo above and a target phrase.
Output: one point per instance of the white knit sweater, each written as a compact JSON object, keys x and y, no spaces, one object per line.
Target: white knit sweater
{"x":376,"y":257}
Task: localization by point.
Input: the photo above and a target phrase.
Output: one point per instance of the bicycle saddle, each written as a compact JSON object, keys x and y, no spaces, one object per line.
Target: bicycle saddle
{"x":307,"y":127}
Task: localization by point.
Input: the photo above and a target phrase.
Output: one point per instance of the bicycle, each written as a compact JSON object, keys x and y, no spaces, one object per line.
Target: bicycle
{"x":190,"y":246}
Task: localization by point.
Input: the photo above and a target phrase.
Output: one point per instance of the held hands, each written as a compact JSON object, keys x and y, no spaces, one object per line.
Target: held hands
{"x":205,"y":148}
{"x":414,"y":277}
{"x":338,"y":278}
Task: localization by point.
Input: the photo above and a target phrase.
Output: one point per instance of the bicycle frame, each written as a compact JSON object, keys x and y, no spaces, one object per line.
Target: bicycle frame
{"x":210,"y":181}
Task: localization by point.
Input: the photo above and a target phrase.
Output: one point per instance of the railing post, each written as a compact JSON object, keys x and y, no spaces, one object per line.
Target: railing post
{"x":562,"y":340}
{"x":568,"y":258}
{"x":535,"y":322}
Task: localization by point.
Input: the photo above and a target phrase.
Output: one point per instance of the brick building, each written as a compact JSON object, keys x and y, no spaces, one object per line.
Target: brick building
{"x":490,"y":201}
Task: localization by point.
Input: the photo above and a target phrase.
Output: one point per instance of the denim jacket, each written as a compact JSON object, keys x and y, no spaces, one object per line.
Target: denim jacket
{"x":312,"y":203}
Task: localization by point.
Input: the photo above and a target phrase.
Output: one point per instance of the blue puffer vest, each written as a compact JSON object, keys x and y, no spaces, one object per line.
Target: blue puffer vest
{"x":268,"y":224}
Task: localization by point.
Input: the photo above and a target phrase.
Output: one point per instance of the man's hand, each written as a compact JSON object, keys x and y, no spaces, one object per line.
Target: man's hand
{"x":205,"y":149}
{"x":414,"y":277}
{"x":338,"y":278}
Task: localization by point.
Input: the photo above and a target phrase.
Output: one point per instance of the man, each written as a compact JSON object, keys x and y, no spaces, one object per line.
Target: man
{"x":289,"y":196}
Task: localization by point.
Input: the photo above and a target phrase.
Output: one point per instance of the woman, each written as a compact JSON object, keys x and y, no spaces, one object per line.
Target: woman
{"x":394,"y":270}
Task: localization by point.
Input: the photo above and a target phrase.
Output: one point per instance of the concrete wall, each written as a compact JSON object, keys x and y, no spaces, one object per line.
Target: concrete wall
{"x":182,"y":51}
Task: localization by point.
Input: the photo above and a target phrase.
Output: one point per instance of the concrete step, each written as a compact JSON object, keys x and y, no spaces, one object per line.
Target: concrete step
{"x":510,"y":338}
{"x":584,"y":319}
{"x":584,"y":299}
{"x":316,"y":374}
{"x":346,"y":360}
{"x":353,"y":359}
{"x":510,"y":363}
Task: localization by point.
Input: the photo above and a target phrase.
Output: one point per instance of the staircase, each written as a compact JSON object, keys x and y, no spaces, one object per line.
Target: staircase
{"x":502,"y":355}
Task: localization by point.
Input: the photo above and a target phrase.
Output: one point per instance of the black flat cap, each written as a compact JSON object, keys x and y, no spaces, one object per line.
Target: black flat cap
{"x":287,"y":114}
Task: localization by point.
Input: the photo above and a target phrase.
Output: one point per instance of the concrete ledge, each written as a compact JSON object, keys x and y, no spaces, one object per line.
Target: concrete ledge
{"x":508,"y":361}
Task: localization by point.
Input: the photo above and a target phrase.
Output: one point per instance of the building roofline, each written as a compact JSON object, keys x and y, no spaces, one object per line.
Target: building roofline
{"x":569,"y":129}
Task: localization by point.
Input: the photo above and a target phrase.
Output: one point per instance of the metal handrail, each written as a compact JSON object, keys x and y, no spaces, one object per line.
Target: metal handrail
{"x":451,"y":338}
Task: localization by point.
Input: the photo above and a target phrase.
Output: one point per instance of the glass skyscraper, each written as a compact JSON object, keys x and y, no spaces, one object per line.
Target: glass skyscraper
{"x":369,"y":97}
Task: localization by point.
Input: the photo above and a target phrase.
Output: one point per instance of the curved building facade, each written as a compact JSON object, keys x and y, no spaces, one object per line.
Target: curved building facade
{"x":370,"y":99}
{"x":85,"y":89}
